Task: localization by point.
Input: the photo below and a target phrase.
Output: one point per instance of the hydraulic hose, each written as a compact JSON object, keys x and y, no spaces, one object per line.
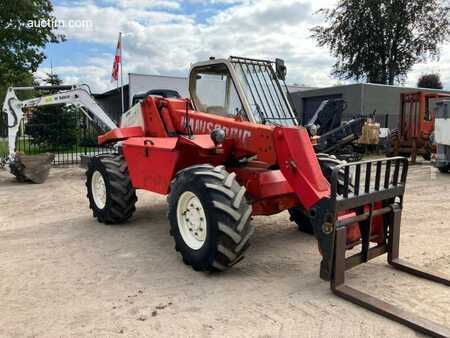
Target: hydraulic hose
{"x":13,"y":113}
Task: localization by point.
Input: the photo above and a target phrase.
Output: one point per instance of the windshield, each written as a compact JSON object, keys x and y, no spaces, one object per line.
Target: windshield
{"x":263,"y":92}
{"x":213,"y":91}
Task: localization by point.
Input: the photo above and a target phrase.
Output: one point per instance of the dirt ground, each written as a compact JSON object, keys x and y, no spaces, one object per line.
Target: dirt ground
{"x":64,"y":274}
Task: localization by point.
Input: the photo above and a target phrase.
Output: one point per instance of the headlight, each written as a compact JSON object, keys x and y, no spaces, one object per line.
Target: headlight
{"x":218,"y":136}
{"x":313,"y":130}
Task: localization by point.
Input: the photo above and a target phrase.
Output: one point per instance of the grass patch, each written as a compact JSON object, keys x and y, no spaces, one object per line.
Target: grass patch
{"x":3,"y":148}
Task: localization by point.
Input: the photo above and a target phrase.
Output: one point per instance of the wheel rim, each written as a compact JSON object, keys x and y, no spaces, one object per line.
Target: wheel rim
{"x":98,"y":190}
{"x":191,"y":220}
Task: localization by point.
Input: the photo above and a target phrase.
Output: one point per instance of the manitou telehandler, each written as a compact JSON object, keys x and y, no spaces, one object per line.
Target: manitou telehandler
{"x":234,"y":151}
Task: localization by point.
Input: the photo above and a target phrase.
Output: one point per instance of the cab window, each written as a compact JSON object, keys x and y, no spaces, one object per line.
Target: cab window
{"x":213,"y":91}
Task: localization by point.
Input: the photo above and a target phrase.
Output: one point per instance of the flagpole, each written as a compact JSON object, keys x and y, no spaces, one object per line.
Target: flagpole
{"x":121,"y":70}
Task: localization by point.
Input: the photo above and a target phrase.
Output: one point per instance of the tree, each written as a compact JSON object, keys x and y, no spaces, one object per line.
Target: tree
{"x":53,"y":126}
{"x":380,"y":40}
{"x":432,"y":81}
{"x":53,"y":79}
{"x":23,"y":38}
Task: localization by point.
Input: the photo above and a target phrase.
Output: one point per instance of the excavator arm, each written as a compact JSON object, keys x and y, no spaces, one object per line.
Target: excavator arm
{"x":14,"y":109}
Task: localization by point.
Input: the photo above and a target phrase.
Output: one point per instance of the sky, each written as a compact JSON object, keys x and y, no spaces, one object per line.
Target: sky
{"x":164,"y":37}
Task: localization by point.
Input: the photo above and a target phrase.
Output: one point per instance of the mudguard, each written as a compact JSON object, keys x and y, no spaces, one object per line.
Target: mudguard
{"x":119,"y":134}
{"x":151,"y":162}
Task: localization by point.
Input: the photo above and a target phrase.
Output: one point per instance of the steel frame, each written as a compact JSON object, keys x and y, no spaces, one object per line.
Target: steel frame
{"x":391,"y":196}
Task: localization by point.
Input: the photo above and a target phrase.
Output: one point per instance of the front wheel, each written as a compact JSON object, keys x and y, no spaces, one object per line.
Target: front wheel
{"x":111,"y":195}
{"x":209,"y":218}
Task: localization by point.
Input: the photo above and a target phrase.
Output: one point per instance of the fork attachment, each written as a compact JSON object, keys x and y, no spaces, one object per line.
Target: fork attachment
{"x":373,"y":208}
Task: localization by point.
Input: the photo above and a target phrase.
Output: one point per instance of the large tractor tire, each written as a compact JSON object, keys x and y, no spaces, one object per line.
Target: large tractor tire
{"x":445,"y":169}
{"x":301,"y":216}
{"x":428,"y":154}
{"x":209,"y":218}
{"x":111,"y":195}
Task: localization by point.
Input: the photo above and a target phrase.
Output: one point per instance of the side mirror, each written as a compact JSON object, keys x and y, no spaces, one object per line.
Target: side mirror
{"x":280,"y":69}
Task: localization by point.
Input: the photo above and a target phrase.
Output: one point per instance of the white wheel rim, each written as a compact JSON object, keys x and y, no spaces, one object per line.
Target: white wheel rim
{"x":98,"y":188}
{"x":191,"y":220}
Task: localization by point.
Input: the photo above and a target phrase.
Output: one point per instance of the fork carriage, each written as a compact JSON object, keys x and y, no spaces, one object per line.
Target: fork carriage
{"x":378,"y":208}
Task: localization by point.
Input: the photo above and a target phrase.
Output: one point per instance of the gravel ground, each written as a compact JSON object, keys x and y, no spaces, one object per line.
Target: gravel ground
{"x":64,"y":274}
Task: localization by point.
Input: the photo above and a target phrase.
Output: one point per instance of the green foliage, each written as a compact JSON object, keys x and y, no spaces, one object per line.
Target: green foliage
{"x":21,"y":80}
{"x":3,"y":148}
{"x":432,"y":81}
{"x":89,"y":139}
{"x":53,"y":127}
{"x":53,"y":79}
{"x":21,"y":45}
{"x":380,"y":40}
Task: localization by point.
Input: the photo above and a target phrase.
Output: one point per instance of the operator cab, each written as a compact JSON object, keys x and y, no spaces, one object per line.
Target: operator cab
{"x":242,"y":88}
{"x":166,"y":93}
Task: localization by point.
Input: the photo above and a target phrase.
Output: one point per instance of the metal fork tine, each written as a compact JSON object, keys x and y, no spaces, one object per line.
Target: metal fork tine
{"x":386,"y":196}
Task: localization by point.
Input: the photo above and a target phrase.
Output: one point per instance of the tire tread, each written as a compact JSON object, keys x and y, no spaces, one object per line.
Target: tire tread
{"x":227,"y":198}
{"x":122,"y":194}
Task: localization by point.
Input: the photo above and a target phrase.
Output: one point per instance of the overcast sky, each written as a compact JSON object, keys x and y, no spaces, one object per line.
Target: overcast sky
{"x":165,"y":36}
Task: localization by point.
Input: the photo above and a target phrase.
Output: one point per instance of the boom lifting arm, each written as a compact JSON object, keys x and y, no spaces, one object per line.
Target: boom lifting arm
{"x":74,"y":95}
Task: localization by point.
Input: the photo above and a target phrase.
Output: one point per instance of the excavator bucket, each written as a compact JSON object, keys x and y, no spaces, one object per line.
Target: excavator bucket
{"x":370,"y":195}
{"x":33,"y":168}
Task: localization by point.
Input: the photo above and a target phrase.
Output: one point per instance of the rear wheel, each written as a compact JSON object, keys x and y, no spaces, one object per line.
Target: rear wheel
{"x":303,"y":217}
{"x":393,"y":143}
{"x":111,"y":195}
{"x":428,"y":152}
{"x":209,"y":218}
{"x":445,"y":169}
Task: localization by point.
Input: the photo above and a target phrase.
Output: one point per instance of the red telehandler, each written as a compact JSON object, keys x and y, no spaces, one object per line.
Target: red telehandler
{"x":416,"y":125}
{"x":235,"y":150}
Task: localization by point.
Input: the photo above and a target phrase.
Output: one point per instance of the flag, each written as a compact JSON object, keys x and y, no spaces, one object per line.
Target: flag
{"x":117,"y":60}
